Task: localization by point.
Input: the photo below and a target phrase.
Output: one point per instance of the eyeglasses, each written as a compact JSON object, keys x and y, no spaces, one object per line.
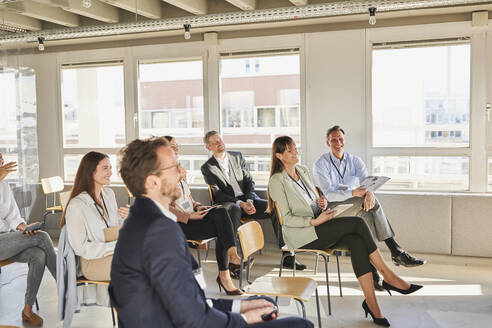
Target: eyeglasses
{"x":158,"y":171}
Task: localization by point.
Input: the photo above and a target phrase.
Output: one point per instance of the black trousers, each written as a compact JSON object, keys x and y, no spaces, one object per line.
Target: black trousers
{"x":236,"y":213}
{"x":216,"y":223}
{"x":351,"y":232}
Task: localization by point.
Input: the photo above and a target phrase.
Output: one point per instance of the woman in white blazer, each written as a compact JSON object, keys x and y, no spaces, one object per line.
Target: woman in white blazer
{"x":93,"y":217}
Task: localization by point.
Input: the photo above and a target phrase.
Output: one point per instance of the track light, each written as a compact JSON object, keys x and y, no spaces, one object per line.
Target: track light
{"x":372,"y":15}
{"x":187,"y":34}
{"x":41,"y":43}
{"x":86,"y":3}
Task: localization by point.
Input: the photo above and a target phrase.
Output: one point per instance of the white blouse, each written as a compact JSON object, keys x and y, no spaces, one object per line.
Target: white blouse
{"x":85,"y":225}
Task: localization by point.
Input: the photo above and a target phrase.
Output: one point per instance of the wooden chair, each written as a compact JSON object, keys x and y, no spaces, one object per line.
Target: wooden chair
{"x":86,"y":282}
{"x":198,"y":245}
{"x":7,"y":262}
{"x":297,"y":288}
{"x":51,"y":185}
{"x":325,"y":254}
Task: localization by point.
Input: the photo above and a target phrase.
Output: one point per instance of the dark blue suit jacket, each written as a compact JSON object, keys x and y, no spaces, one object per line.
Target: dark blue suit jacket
{"x":215,"y":177}
{"x":152,"y":282}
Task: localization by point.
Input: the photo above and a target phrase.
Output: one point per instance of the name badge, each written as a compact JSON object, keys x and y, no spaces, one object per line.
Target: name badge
{"x":199,"y":278}
{"x":342,"y":187}
{"x":186,"y":205}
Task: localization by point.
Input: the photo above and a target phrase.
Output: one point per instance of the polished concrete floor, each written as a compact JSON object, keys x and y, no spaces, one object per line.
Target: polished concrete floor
{"x":457,"y":293}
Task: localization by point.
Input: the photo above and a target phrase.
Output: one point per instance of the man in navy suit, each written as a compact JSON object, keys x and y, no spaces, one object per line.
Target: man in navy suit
{"x":227,"y":173}
{"x":152,"y":279}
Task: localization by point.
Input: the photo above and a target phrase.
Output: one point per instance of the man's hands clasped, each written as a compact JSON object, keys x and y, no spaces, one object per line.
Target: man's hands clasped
{"x":254,"y":309}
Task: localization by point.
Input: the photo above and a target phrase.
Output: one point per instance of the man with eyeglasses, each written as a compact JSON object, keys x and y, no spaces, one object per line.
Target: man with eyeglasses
{"x":155,"y":282}
{"x":339,"y":174}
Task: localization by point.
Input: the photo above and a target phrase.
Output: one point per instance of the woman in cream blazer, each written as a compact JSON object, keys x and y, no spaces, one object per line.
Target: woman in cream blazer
{"x":92,"y":217}
{"x":309,"y":223}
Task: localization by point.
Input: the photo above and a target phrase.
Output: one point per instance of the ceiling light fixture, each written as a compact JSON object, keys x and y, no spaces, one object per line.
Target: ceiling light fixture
{"x":41,"y":43}
{"x":372,"y":15}
{"x":187,"y":34}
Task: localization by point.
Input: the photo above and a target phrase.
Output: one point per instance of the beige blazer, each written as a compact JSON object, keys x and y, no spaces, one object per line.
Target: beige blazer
{"x":296,"y":212}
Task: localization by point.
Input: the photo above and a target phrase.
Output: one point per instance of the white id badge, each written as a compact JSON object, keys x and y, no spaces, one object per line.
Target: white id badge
{"x":342,"y":187}
{"x":199,"y":278}
{"x":186,"y":205}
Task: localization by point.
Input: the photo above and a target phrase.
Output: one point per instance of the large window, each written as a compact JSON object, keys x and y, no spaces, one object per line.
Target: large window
{"x":93,"y":110}
{"x":171,"y":100}
{"x":421,"y":99}
{"x":421,"y":96}
{"x":260,"y":99}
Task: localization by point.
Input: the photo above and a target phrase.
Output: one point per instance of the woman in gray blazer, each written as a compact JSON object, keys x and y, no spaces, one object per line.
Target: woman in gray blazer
{"x":309,"y":223}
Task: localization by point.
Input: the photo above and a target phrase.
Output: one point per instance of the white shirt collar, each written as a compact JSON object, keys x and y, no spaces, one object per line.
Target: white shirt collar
{"x":166,"y":212}
{"x":222,"y":161}
{"x":336,"y":160}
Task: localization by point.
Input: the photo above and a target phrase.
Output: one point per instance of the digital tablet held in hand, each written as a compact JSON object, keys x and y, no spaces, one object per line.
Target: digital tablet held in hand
{"x":340,"y":209}
{"x":34,"y":227}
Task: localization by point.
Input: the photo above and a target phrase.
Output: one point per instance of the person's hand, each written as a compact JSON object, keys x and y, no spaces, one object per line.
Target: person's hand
{"x":254,"y":316}
{"x":248,"y":207}
{"x":22,"y":227}
{"x":359,"y":192}
{"x":323,"y":217}
{"x":369,"y":201}
{"x":203,"y":208}
{"x":322,"y":202}
{"x":248,"y":305}
{"x":124,"y":211}
{"x":198,"y":215}
{"x":6,"y":169}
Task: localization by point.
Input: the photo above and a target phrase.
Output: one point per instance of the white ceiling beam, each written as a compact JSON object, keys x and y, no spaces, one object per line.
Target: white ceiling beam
{"x":18,"y":21}
{"x":299,"y":2}
{"x":43,"y":12}
{"x":148,"y":8}
{"x":243,"y":4}
{"x":197,"y":7}
{"x":98,"y":10}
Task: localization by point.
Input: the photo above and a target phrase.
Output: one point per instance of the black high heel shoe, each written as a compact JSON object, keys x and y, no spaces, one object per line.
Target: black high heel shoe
{"x":413,"y":288}
{"x":228,"y":292}
{"x":378,"y":321}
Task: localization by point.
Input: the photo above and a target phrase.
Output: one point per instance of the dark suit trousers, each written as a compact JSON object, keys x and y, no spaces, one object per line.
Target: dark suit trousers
{"x":216,"y":223}
{"x":236,"y":213}
{"x":351,"y":232}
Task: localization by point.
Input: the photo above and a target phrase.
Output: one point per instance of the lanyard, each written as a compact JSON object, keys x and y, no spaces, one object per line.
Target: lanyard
{"x":303,"y":186}
{"x":182,"y":188}
{"x":102,"y":214}
{"x":336,"y":168}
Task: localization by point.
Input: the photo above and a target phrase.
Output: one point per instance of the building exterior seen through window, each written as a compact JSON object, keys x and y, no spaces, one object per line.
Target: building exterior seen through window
{"x":421,"y":99}
{"x":93,"y":109}
{"x":171,"y":100}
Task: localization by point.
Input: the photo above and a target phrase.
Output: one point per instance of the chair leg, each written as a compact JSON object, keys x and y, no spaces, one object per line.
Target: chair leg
{"x":206,"y":254}
{"x":248,"y":270}
{"x":339,"y":279}
{"x":198,"y":255}
{"x":284,"y":255}
{"x":317,"y":307}
{"x":112,"y":316}
{"x":241,"y":267}
{"x":37,"y":305}
{"x":327,"y":283}
{"x":44,"y":217}
{"x":294,"y":268}
{"x":316,"y":264}
{"x":303,"y":308}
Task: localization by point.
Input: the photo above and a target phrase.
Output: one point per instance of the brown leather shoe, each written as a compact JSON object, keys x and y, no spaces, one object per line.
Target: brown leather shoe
{"x":33,"y":320}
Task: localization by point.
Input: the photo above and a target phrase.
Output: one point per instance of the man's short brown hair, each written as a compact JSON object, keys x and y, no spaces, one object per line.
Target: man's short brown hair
{"x":333,"y":129}
{"x":138,"y":160}
{"x":208,"y":135}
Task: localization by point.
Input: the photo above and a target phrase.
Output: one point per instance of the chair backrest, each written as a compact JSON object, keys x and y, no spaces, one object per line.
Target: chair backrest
{"x":211,"y":194}
{"x":52,"y":184}
{"x":251,"y":238}
{"x":63,"y":198}
{"x":279,"y":215}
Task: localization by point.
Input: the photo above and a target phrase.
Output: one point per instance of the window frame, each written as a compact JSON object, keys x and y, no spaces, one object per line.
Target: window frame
{"x":477,"y":177}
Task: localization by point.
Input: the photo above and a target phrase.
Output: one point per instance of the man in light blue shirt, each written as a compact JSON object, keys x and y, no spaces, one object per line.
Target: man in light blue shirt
{"x":339,"y":175}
